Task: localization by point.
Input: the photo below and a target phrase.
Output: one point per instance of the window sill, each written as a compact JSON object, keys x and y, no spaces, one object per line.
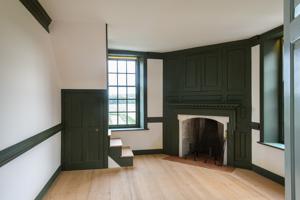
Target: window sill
{"x":128,"y":129}
{"x":273,"y":145}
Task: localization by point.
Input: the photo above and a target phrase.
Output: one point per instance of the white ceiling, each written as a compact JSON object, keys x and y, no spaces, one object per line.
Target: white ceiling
{"x":167,"y":25}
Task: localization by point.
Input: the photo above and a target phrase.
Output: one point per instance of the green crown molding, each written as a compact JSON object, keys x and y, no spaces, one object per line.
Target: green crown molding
{"x":149,"y":55}
{"x":39,"y":13}
{"x":18,"y":149}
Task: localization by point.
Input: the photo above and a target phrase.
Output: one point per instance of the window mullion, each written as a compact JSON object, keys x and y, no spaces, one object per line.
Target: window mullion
{"x":126,"y":101}
{"x":117,"y":92}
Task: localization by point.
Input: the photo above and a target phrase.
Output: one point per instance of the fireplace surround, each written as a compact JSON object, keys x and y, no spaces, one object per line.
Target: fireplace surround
{"x":226,"y":112}
{"x":184,"y":133}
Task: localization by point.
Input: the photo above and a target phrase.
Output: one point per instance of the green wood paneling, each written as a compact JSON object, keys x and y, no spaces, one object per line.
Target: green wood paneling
{"x":85,"y":141}
{"x":217,"y":74}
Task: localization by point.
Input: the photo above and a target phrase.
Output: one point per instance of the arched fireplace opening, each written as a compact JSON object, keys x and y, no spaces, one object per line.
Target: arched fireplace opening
{"x":204,"y":139}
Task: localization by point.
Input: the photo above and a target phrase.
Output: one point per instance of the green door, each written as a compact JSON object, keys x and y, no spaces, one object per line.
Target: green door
{"x":292,"y":97}
{"x":84,"y":139}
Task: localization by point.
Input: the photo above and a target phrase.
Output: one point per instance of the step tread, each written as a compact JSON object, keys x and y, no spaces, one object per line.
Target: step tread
{"x":109,"y":132}
{"x":115,"y":142}
{"x":127,"y":152}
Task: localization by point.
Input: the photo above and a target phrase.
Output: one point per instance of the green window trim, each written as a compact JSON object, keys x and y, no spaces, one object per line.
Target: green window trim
{"x":271,"y":56}
{"x":124,"y":92}
{"x":141,"y":79}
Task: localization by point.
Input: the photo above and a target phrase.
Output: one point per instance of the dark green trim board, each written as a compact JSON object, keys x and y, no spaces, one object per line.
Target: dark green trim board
{"x":39,"y":13}
{"x":270,"y":175}
{"x":147,"y":151}
{"x":144,"y":92}
{"x":255,"y":125}
{"x":16,"y":150}
{"x":155,"y":119}
{"x":48,"y":184}
{"x":147,"y":55}
{"x":272,"y":34}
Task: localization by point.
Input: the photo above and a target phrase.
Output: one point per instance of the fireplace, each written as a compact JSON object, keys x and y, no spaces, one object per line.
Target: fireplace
{"x":206,"y":135}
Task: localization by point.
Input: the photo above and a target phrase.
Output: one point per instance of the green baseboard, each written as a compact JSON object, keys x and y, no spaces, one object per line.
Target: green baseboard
{"x":48,"y":184}
{"x":270,"y":175}
{"x":148,"y":151}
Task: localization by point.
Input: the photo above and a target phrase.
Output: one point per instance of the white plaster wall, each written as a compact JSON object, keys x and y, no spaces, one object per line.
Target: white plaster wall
{"x":155,"y":87}
{"x":263,"y":156}
{"x":29,"y":103}
{"x":269,"y":158}
{"x":24,"y":177}
{"x":144,"y":139}
{"x":152,"y":138}
{"x":80,"y":51}
{"x":255,"y":84}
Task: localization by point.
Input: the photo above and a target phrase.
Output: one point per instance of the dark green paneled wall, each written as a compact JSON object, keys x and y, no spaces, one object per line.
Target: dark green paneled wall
{"x":213,"y":74}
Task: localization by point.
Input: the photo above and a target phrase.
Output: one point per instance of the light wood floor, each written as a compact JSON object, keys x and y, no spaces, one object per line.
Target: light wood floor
{"x":155,"y":178}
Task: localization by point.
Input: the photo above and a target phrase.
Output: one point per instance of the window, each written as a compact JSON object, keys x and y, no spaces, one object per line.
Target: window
{"x":123,"y":89}
{"x":272,"y":91}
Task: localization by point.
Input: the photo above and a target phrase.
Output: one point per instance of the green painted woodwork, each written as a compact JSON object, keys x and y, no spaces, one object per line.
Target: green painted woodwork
{"x":255,"y":126}
{"x":12,"y":152}
{"x":149,"y":55}
{"x":216,"y":74}
{"x":271,"y":101}
{"x":291,"y":75}
{"x":147,"y":151}
{"x":155,"y":119}
{"x":39,"y":13}
{"x":116,"y":152}
{"x":48,"y":184}
{"x":270,"y":175}
{"x":85,"y":119}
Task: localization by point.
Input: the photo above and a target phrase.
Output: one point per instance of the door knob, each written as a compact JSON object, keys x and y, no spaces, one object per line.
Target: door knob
{"x":97,"y":130}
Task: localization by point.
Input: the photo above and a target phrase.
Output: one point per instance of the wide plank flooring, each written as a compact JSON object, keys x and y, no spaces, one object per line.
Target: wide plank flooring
{"x":154,"y":178}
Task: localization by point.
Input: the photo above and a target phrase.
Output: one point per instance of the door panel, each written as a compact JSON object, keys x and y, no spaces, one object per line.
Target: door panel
{"x":292,"y":98}
{"x":85,"y":128}
{"x":297,"y":117}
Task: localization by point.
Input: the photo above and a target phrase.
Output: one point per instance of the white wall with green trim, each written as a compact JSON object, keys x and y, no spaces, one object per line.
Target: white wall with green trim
{"x":29,"y":103}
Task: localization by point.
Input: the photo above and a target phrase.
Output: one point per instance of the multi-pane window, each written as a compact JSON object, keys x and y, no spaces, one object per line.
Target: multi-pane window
{"x":123,"y":91}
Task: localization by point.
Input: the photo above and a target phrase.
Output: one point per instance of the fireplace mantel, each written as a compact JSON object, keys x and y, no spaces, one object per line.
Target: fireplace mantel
{"x":206,"y":105}
{"x":171,"y":132}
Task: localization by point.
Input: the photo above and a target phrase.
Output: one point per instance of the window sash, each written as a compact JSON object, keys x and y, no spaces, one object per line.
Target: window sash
{"x":126,"y":98}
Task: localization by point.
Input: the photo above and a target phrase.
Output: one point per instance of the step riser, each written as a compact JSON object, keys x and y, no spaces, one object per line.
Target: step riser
{"x":115,"y":152}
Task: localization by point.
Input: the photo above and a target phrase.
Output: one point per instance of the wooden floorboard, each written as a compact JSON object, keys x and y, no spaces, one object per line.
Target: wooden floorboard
{"x":155,"y":178}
